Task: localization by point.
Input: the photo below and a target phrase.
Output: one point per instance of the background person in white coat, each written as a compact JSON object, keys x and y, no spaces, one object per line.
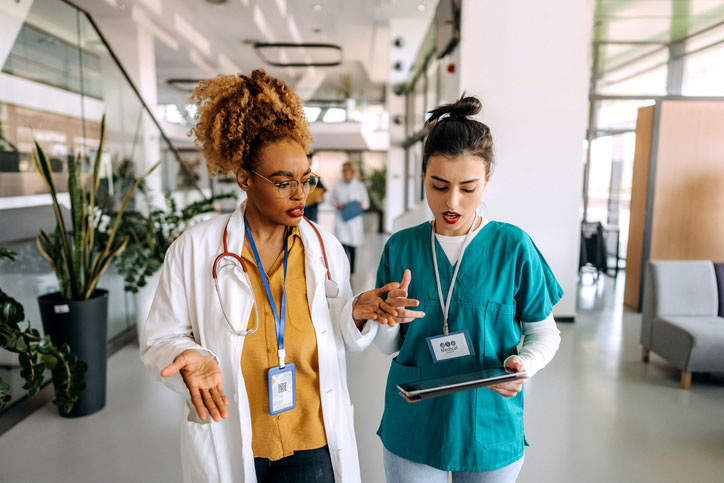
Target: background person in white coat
{"x":351,"y":190}
{"x":245,"y":299}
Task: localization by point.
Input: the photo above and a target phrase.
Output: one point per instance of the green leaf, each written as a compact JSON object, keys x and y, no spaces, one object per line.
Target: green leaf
{"x":20,"y":345}
{"x":51,"y":361}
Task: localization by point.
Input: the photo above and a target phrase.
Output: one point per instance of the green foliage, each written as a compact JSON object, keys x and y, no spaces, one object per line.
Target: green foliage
{"x":80,"y":257}
{"x":345,"y":86}
{"x":377,"y":184}
{"x":36,"y":354}
{"x":150,"y":236}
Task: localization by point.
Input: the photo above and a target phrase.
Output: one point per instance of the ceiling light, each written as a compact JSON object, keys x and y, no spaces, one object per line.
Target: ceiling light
{"x":421,"y":7}
{"x":317,"y":7}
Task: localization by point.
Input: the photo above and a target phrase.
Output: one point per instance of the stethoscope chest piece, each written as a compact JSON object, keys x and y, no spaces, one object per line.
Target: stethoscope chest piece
{"x":331,"y":289}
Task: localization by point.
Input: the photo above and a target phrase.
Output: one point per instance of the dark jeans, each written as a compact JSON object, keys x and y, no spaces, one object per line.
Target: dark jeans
{"x":350,"y":251}
{"x":301,"y":467}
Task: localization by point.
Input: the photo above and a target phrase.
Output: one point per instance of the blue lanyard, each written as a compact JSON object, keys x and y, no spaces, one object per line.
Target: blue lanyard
{"x":279,"y":322}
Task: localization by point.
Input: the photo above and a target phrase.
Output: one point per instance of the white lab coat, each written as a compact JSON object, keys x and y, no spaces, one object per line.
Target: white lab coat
{"x":349,"y":232}
{"x":185,"y":314}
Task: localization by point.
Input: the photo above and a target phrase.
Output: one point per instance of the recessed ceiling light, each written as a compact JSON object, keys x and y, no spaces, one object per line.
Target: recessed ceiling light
{"x":421,"y":7}
{"x":317,"y":7}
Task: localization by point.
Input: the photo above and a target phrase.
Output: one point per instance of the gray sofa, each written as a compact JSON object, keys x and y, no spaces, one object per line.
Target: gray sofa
{"x":681,"y":320}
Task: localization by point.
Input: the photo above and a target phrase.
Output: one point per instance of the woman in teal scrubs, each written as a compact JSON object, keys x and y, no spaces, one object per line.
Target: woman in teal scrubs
{"x":502,"y":291}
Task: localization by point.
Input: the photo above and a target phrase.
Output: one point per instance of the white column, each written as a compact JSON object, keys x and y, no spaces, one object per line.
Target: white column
{"x":528,"y":62}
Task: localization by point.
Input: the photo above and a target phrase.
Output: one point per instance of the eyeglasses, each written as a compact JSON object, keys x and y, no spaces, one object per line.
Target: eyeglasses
{"x":287,"y":189}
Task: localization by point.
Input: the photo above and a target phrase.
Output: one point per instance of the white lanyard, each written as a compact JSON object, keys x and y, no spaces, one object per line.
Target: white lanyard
{"x":445,"y":304}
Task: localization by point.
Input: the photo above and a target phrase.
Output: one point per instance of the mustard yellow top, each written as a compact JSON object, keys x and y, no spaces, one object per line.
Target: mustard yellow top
{"x":301,"y":428}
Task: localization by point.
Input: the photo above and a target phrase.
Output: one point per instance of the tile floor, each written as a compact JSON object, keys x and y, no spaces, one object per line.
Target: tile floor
{"x":595,"y":414}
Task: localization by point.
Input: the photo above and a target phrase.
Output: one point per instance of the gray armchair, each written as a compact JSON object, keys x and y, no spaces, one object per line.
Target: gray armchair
{"x":679,"y":320}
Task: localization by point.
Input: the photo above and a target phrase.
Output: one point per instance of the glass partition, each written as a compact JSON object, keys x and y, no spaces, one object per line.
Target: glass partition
{"x":58,"y":79}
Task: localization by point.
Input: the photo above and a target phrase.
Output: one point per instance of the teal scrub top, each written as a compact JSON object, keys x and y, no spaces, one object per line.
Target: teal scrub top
{"x":503,"y":281}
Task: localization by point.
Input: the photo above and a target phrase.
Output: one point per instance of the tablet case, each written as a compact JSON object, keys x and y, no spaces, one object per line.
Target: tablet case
{"x":351,"y":210}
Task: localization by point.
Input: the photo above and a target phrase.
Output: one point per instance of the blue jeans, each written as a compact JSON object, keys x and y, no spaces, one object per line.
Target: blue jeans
{"x":401,"y":470}
{"x":301,"y":467}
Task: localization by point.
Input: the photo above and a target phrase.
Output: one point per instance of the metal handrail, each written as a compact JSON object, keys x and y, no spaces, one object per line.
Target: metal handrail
{"x":184,"y":165}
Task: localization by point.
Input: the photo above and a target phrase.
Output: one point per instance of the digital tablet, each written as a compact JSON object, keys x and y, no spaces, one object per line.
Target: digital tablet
{"x":414,"y":391}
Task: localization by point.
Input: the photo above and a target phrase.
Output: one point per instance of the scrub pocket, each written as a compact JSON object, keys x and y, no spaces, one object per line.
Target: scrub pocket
{"x":401,"y":418}
{"x":498,"y":420}
{"x":502,"y":332}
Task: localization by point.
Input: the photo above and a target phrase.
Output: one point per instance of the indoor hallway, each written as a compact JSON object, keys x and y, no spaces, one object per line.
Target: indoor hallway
{"x":595,"y":414}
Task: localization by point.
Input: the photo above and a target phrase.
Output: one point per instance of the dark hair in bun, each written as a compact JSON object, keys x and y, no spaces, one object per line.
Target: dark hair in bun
{"x":452,"y":134}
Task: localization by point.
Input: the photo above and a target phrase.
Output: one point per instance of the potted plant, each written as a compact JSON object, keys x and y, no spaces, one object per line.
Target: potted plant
{"x":377,"y":186}
{"x":345,"y":90}
{"x":149,"y":238}
{"x":78,"y":313}
{"x":37,"y":353}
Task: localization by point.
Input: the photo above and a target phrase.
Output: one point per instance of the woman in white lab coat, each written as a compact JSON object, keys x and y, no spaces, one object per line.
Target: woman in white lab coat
{"x":220,"y":326}
{"x":350,"y":198}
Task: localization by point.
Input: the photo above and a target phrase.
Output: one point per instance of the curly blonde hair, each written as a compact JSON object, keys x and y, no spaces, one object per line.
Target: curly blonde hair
{"x":239,"y":114}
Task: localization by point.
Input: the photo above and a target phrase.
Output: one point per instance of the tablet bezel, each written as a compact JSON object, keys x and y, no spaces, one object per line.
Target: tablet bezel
{"x":477,"y":379}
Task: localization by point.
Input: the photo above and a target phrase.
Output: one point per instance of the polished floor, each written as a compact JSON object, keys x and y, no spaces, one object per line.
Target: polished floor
{"x":595,"y":414}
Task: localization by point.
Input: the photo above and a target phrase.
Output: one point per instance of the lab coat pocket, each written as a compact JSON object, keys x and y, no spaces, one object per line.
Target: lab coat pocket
{"x":402,"y":418}
{"x":498,"y":420}
{"x":198,"y":449}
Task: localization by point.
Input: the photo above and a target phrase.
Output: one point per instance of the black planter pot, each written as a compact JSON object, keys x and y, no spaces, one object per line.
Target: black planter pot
{"x":9,"y":161}
{"x":83,"y":325}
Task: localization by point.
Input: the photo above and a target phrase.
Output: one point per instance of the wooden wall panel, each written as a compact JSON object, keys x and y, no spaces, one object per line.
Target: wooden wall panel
{"x":688,"y":214}
{"x":639,"y":193}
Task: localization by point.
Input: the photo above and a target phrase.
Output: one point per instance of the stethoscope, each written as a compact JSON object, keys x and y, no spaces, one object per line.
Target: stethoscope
{"x":331,"y":289}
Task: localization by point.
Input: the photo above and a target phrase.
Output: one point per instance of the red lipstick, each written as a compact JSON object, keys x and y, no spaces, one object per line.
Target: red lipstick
{"x":296,"y":212}
{"x":451,"y":217}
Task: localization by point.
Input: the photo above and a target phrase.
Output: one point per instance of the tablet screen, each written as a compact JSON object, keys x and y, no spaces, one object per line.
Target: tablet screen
{"x":477,"y":378}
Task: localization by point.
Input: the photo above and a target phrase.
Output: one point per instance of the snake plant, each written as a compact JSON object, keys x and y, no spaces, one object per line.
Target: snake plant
{"x":77,"y":256}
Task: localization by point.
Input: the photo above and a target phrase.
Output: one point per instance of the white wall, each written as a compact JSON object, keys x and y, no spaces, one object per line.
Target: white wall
{"x":528,"y":62}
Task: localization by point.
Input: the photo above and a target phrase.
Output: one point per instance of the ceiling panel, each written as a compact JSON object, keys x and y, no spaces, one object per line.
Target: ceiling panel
{"x":634,"y":23}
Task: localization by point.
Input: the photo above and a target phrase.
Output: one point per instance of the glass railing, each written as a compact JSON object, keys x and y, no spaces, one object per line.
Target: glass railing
{"x":58,"y":78}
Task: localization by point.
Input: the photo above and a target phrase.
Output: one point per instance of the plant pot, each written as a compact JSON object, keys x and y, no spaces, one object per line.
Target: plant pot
{"x":9,"y":161}
{"x":349,"y":105}
{"x":143,"y":299}
{"x":83,"y":325}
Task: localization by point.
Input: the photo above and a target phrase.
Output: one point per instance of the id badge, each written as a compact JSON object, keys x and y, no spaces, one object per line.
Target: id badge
{"x":282,"y":383}
{"x":451,"y":346}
